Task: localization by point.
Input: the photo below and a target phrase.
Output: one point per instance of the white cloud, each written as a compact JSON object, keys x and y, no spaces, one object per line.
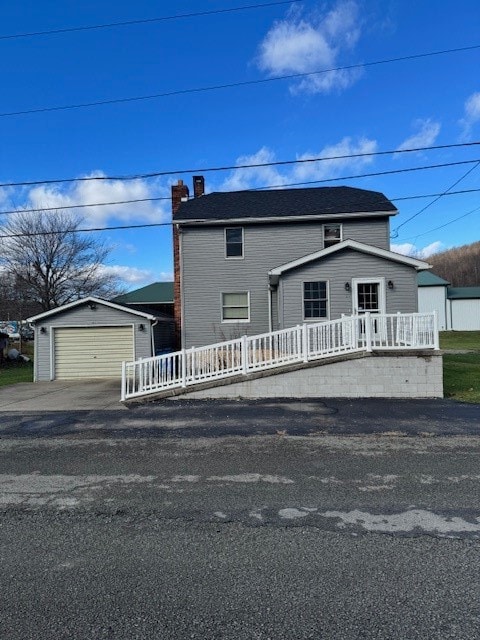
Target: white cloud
{"x":472,"y":114}
{"x":409,"y":249}
{"x":426,"y":135}
{"x":241,"y":179}
{"x":257,"y":177}
{"x":129,"y":275}
{"x":304,"y":44}
{"x":331,"y":168}
{"x":99,"y":191}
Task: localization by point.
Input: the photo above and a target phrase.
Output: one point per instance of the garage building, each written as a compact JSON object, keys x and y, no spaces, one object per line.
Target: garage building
{"x":90,"y":338}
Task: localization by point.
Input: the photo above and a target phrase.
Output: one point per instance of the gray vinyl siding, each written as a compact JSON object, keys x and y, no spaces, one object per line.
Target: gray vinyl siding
{"x":206,"y":273}
{"x":338,"y":269}
{"x":83,"y":316}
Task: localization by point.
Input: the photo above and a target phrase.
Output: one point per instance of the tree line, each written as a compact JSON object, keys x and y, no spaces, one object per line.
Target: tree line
{"x":460,"y":266}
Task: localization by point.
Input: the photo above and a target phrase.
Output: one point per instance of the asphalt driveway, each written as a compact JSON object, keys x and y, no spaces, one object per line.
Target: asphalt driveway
{"x":92,"y":409}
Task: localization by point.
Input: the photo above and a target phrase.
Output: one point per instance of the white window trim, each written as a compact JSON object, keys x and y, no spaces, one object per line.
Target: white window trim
{"x":234,"y":320}
{"x":319,"y":319}
{"x":333,"y":224}
{"x":382,"y":299}
{"x":225,"y":243}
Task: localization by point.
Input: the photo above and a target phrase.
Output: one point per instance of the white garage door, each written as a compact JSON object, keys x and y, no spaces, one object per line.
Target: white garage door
{"x":92,"y":352}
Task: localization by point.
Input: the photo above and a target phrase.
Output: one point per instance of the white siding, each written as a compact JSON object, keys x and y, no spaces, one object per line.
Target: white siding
{"x":434,"y":299}
{"x":465,"y":315}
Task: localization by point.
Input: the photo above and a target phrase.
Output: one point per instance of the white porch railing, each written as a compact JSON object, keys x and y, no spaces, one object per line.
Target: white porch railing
{"x":303,"y":343}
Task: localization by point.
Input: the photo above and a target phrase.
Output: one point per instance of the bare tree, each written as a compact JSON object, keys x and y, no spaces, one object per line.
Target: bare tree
{"x":460,"y":265}
{"x":51,"y":261}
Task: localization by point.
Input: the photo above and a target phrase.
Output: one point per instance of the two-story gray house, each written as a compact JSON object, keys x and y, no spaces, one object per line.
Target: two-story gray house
{"x":250,"y":262}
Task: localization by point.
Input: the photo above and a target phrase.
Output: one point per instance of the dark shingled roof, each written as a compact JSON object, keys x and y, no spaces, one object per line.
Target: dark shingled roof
{"x":284,"y":203}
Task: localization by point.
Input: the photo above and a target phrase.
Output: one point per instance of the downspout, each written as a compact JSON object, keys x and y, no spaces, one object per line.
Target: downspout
{"x":270,"y":328}
{"x":182,"y":296}
{"x":446,"y":307}
{"x":152,"y":338}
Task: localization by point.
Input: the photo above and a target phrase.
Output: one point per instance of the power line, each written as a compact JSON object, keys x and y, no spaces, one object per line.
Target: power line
{"x":469,"y":213}
{"x":125,"y":23}
{"x":267,"y":187}
{"x":229,"y":85}
{"x":394,"y":233}
{"x":165,"y":224}
{"x":199,"y":170}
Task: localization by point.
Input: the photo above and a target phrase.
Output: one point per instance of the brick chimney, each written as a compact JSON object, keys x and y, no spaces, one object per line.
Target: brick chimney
{"x":198,"y":186}
{"x":180,"y":194}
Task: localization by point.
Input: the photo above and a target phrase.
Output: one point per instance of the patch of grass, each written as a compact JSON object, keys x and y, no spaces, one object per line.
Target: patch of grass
{"x":460,"y":340}
{"x":461,"y":376}
{"x":11,"y":373}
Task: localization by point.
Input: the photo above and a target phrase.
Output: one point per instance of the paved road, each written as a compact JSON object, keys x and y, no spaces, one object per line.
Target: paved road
{"x":203,"y":418}
{"x":265,"y":537}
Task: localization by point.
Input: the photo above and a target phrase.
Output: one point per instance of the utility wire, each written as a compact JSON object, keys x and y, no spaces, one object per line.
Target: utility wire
{"x":442,"y":226}
{"x":200,"y":170}
{"x":394,"y":233}
{"x":267,"y":187}
{"x":125,"y":23}
{"x":169,"y":224}
{"x":229,"y":85}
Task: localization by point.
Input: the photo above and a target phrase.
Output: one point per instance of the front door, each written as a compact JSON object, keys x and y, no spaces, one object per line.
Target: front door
{"x":369,"y":296}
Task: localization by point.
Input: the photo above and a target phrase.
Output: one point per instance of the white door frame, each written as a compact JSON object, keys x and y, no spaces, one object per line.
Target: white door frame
{"x":382,"y":304}
{"x":382,"y":301}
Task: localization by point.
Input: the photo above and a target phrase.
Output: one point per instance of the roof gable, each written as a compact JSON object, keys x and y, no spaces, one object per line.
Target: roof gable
{"x":356,"y":246}
{"x":429,"y":279}
{"x":90,"y":300}
{"x":285,"y":204}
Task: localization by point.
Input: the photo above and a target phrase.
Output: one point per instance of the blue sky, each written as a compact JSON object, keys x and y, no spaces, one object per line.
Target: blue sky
{"x":414,"y":103}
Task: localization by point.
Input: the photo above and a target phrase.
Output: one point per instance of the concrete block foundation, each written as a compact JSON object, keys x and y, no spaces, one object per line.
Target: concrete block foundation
{"x":379,"y":375}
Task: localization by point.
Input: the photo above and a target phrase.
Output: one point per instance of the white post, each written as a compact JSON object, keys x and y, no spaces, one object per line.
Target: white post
{"x":436,"y":335}
{"x":140,"y":374}
{"x":124,"y":381}
{"x":184,"y":367}
{"x":192,"y":365}
{"x":305,"y":342}
{"x":368,"y":332}
{"x":244,"y":353}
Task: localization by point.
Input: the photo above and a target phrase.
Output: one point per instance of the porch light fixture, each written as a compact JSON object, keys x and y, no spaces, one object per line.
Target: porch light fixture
{"x":43,"y":330}
{"x":347,"y":286}
{"x":390,"y":284}
{"x":141,"y":327}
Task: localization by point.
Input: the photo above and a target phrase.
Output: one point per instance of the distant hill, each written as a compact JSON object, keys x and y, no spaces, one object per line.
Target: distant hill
{"x":460,"y":266}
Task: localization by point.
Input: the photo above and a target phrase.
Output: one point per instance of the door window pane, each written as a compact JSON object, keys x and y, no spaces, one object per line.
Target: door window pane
{"x":368,"y":296}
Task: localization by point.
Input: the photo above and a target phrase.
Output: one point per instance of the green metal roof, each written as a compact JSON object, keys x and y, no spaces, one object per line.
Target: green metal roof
{"x":156,"y":293}
{"x":429,"y":279}
{"x":457,"y":293}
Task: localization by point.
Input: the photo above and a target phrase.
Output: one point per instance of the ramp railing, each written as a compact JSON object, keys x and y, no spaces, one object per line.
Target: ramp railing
{"x":303,"y":343}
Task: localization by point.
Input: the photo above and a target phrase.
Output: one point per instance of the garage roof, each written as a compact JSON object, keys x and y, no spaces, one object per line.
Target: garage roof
{"x":93,"y":301}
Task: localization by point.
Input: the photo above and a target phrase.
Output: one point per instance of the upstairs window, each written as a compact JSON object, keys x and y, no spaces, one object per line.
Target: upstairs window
{"x":315,"y":300}
{"x":332,"y":234}
{"x":236,"y":307}
{"x":234,"y":242}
